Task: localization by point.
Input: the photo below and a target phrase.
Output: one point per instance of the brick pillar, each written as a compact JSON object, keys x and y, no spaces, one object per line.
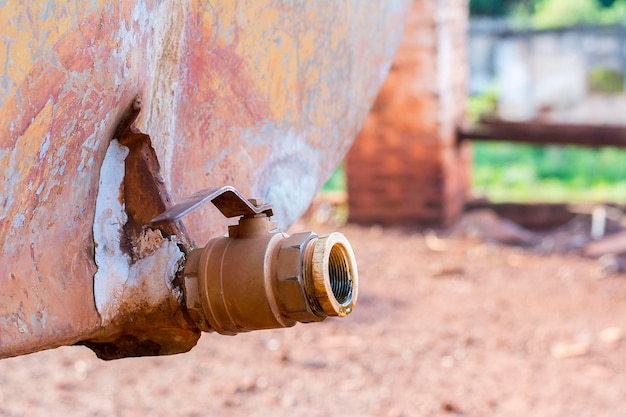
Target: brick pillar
{"x":404,"y":166}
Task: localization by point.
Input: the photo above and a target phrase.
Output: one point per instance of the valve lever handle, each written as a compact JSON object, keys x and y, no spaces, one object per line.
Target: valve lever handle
{"x":229,"y":201}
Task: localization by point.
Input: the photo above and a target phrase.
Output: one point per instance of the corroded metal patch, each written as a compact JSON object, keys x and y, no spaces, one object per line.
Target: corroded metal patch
{"x":137,"y":287}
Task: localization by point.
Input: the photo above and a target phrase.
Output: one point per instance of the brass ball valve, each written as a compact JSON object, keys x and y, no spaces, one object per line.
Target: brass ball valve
{"x":255,"y":278}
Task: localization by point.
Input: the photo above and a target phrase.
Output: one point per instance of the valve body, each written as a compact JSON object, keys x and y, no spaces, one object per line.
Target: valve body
{"x":257,"y":279}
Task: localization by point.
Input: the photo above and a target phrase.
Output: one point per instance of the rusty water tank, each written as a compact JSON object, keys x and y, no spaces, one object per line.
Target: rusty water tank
{"x":264,"y":95}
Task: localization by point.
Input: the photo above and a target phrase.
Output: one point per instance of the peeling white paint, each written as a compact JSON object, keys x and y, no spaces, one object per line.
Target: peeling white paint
{"x":118,"y":284}
{"x":153,"y":275}
{"x":112,"y":262}
{"x":18,"y":220}
{"x":44,"y":146}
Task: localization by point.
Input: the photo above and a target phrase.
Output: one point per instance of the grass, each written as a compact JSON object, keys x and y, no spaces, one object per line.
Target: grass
{"x":526,"y":173}
{"x":337,"y":181}
{"x":513,"y":172}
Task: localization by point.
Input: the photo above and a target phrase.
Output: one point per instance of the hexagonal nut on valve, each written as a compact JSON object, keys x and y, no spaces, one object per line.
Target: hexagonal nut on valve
{"x":290,"y":279}
{"x":316,"y":276}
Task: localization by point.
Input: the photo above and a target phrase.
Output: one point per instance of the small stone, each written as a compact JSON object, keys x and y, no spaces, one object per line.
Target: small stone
{"x":272,"y":344}
{"x":447,"y":362}
{"x":376,"y":231}
{"x":447,"y":271}
{"x":611,"y":335}
{"x":570,"y":350}
{"x":611,"y":264}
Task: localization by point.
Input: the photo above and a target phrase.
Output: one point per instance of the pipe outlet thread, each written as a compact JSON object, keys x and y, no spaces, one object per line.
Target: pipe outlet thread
{"x":333,"y":274}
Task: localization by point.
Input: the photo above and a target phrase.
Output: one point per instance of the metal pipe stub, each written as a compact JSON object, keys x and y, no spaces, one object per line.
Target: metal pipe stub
{"x":256,"y":279}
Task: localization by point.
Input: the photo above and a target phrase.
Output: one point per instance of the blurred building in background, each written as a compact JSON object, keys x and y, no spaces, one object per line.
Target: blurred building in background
{"x":405,"y":166}
{"x":562,"y":74}
{"x":411,"y":163}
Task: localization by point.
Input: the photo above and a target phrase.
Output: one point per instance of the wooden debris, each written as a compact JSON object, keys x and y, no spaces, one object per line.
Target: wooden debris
{"x":613,"y":244}
{"x":486,"y":225}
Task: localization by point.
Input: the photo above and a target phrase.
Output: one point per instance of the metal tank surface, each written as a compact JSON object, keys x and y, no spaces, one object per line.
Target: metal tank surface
{"x":113,"y":114}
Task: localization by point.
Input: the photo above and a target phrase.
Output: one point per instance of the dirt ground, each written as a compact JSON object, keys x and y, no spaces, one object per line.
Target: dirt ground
{"x":442,"y":327}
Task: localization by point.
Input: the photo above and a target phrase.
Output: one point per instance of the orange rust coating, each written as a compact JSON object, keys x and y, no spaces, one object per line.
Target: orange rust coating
{"x":265,"y":95}
{"x":144,"y":193}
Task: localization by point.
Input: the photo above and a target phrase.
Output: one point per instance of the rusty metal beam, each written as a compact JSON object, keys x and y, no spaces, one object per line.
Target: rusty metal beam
{"x":544,"y":133}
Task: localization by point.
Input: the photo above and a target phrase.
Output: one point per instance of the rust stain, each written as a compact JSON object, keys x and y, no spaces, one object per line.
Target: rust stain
{"x":149,"y":316}
{"x":145,"y":194}
{"x":143,"y":328}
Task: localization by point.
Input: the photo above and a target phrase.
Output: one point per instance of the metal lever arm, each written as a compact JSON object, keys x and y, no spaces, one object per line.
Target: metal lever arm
{"x":229,"y":201}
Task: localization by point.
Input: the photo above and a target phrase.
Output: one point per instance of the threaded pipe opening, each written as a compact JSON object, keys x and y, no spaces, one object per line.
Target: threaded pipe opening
{"x":334,"y":275}
{"x":339,"y":275}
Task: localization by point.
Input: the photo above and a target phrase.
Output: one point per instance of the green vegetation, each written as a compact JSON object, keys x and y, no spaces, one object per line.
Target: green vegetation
{"x":518,"y":172}
{"x":513,"y":172}
{"x":562,"y":13}
{"x":605,"y":81}
{"x":337,"y":181}
{"x":482,"y":104}
{"x":492,"y":8}
{"x":545,"y":14}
